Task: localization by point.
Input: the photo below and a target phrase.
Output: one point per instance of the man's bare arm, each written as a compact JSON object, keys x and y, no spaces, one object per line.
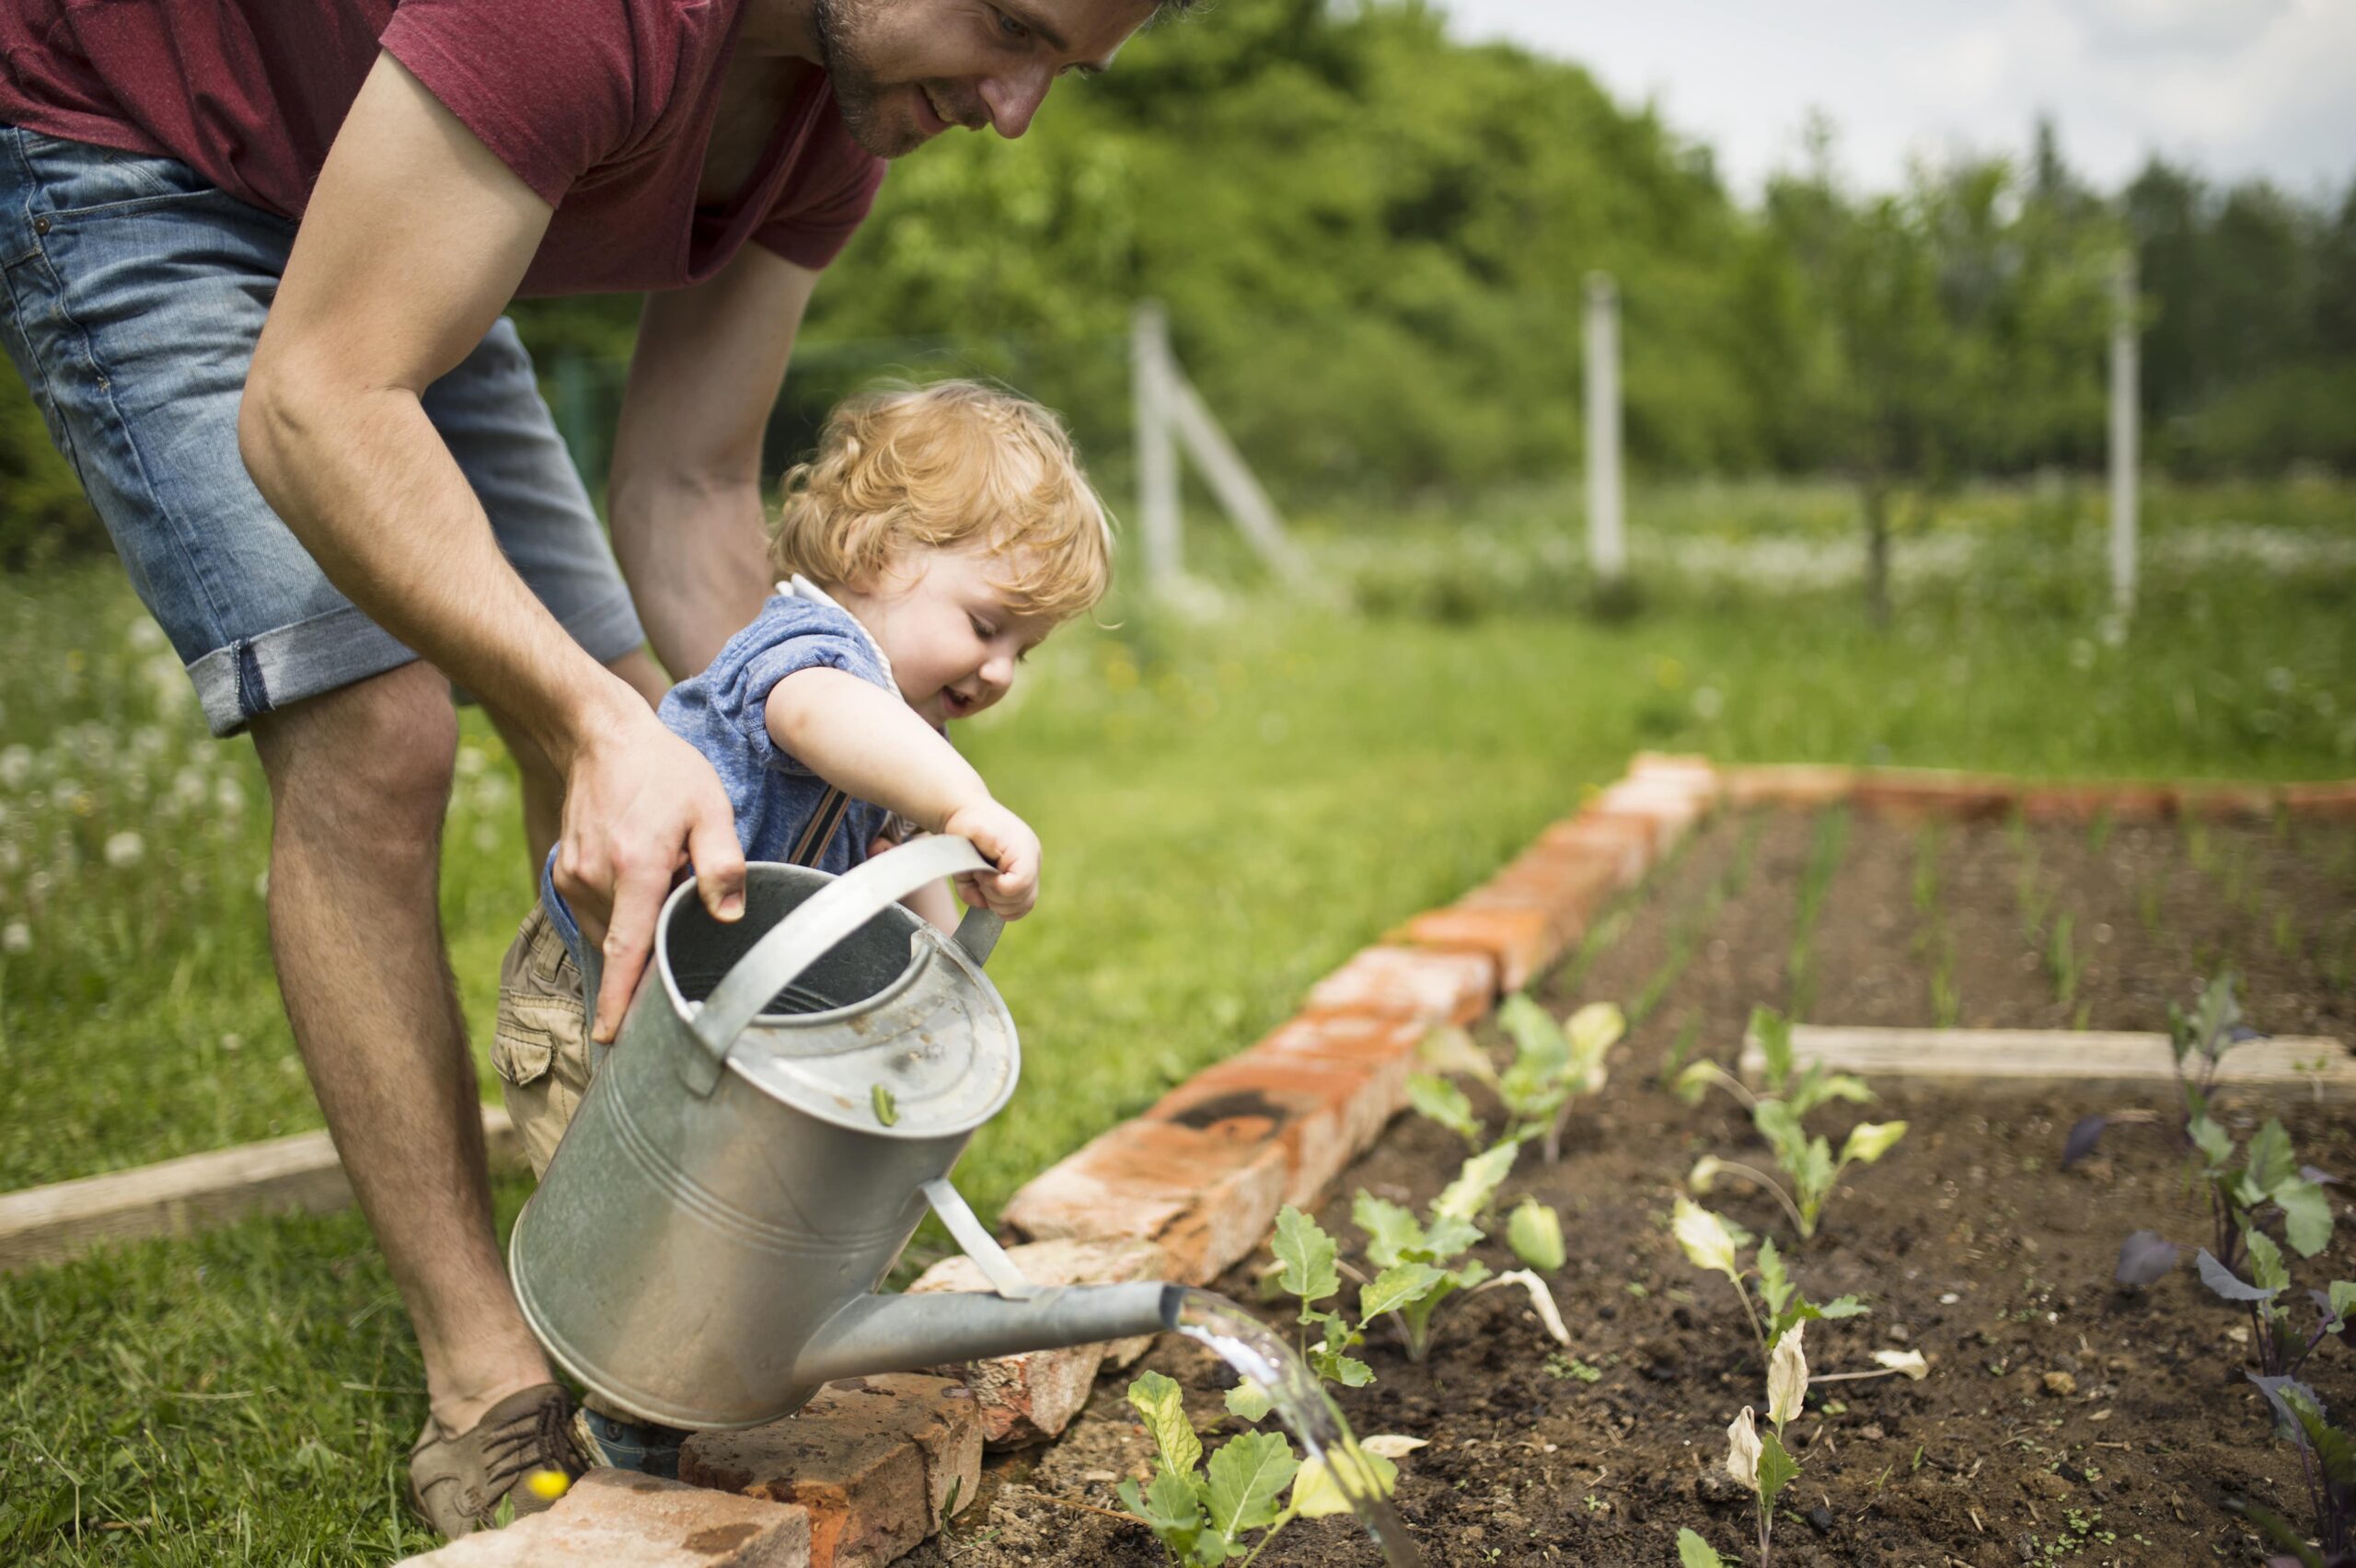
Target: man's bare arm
{"x":415,"y":239}
{"x":685,"y":496}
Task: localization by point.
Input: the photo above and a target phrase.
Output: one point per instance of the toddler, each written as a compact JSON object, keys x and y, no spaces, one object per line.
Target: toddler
{"x":936,"y":539}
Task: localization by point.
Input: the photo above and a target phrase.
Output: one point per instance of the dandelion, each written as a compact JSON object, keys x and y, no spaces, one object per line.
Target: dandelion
{"x":547,"y":1485}
{"x":472,"y":761}
{"x":16,"y":766}
{"x":262,"y":882}
{"x":233,"y":1044}
{"x":1708,"y":703}
{"x":229,"y":796}
{"x":16,"y":937}
{"x":124,"y":849}
{"x":145,"y":635}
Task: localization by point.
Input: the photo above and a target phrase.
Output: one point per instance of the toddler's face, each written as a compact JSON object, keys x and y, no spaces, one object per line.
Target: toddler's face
{"x":953,"y":640}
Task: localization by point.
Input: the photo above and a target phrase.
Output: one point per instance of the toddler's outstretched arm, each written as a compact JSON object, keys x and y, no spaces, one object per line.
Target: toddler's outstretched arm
{"x":869,"y":744}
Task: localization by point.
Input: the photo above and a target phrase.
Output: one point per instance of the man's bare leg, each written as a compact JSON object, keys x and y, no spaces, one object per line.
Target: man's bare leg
{"x":541,"y":785}
{"x":360,"y":779}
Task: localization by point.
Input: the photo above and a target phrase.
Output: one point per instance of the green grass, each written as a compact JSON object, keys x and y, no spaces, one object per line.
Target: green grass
{"x":1230,"y":810}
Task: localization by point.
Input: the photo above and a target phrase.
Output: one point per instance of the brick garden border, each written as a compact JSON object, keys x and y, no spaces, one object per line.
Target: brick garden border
{"x":1191,"y":1186}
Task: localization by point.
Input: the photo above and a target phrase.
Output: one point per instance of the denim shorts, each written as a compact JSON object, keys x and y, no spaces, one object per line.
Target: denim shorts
{"x":131,"y":294}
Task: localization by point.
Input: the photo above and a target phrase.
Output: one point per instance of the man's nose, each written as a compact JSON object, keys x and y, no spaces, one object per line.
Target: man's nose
{"x":1014,"y":99}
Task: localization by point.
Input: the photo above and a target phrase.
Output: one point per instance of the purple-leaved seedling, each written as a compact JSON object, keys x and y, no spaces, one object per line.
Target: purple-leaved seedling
{"x":2246,"y":1184}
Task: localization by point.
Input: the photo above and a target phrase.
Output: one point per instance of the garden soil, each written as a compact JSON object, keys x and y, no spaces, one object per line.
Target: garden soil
{"x":2064,"y":1419}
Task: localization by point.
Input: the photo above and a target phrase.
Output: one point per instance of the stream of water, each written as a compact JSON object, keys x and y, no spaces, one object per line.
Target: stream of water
{"x":1241,"y":1340}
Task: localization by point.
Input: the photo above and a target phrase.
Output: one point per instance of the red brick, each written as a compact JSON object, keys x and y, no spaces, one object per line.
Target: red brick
{"x":1928,"y":796}
{"x":619,"y":1517}
{"x":2333,"y":799}
{"x":1673,"y":810}
{"x":1694,"y":774}
{"x":873,"y":1459}
{"x":1206,"y":1195}
{"x":1028,"y":1398}
{"x":1571,"y":884}
{"x":1621,"y":843}
{"x":2086,"y":803}
{"x":1381,"y":1047}
{"x":1522,"y":938}
{"x":1803,"y":785}
{"x":2227,"y":802}
{"x":1433,"y":987}
{"x":1321,"y":1113}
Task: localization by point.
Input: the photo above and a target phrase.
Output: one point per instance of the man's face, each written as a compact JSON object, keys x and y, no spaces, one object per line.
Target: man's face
{"x":903,"y":71}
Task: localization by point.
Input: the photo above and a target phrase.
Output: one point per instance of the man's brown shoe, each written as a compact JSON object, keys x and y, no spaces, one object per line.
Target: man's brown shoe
{"x":455,"y":1485}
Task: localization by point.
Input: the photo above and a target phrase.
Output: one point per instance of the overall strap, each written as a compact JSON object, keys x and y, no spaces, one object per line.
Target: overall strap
{"x":811,"y":847}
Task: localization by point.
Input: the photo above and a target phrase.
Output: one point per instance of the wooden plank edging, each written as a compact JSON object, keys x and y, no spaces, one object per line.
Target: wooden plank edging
{"x":299,"y":1174}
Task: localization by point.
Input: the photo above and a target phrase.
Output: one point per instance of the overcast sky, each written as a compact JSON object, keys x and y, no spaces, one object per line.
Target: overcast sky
{"x":2235,"y":87}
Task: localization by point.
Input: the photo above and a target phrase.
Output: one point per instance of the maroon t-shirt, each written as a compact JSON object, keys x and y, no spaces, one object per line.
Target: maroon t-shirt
{"x":603,"y":107}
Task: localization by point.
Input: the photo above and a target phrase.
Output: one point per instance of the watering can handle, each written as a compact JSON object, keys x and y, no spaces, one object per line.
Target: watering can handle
{"x":842,"y":907}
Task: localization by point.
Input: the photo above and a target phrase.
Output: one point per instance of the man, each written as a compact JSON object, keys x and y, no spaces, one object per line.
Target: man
{"x":380,"y":182}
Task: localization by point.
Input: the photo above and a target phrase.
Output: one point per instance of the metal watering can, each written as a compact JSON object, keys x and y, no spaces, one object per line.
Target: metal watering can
{"x":704,"y":1248}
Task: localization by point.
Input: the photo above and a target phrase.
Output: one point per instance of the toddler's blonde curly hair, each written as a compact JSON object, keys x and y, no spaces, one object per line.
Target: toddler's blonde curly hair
{"x":932,"y":466}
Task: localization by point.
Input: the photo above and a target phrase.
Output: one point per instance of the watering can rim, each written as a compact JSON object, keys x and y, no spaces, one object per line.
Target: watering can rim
{"x":927,"y":944}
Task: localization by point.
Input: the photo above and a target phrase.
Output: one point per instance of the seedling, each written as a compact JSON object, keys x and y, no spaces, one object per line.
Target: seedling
{"x":1201,"y":1511}
{"x":1713,"y":1243}
{"x":1807,"y":1161}
{"x":1816,"y":881}
{"x":1422,"y":1265}
{"x":1757,"y":1458}
{"x":2062,"y":962}
{"x":2327,"y":1462}
{"x":2242,"y":1186}
{"x":1553,"y":1063}
{"x":1309,"y":1257}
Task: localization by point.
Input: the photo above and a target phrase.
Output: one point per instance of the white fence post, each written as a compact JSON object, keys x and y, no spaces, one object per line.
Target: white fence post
{"x":1157,"y":456}
{"x":2125,"y":414}
{"x":1607,"y":545}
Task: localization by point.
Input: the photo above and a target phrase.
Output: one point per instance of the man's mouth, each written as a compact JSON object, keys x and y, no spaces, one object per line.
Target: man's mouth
{"x":929,"y":116}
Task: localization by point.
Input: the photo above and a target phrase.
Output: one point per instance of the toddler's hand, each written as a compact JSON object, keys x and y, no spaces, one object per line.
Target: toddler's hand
{"x":1007,"y":839}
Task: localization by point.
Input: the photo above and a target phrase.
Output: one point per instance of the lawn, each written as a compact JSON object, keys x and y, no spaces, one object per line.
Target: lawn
{"x":1230,"y":806}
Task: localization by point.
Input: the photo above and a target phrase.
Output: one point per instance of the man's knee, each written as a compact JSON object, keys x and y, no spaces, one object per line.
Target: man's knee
{"x":374,"y":758}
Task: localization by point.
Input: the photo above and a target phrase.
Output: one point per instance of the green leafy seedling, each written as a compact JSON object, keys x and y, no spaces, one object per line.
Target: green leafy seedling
{"x":1201,"y":1511}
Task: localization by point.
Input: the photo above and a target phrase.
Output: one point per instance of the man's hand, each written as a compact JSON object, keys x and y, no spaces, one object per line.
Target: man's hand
{"x":1008,"y":840}
{"x":640,"y":804}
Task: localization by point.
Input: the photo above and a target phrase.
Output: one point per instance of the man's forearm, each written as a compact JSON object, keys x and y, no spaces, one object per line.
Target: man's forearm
{"x":696,"y":554}
{"x":366,"y":484}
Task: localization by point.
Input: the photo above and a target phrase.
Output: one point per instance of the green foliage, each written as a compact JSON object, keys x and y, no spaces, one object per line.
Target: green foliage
{"x":1201,"y":1511}
{"x":1308,"y":1256}
{"x":1806,"y":1159}
{"x":1422,"y":1262}
{"x":1693,"y":1551}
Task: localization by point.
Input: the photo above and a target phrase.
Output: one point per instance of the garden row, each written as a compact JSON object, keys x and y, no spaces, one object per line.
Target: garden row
{"x":1191,"y":1187}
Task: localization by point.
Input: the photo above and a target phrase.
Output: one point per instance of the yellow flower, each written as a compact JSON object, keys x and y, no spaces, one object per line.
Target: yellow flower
{"x":547,"y":1485}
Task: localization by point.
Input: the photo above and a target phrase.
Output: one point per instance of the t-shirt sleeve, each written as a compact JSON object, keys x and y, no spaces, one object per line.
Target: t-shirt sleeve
{"x":551,"y":86}
{"x":826,"y":201}
{"x":802,"y":643}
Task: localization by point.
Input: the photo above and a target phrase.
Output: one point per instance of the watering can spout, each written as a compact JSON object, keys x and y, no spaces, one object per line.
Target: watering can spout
{"x":904,"y":1333}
